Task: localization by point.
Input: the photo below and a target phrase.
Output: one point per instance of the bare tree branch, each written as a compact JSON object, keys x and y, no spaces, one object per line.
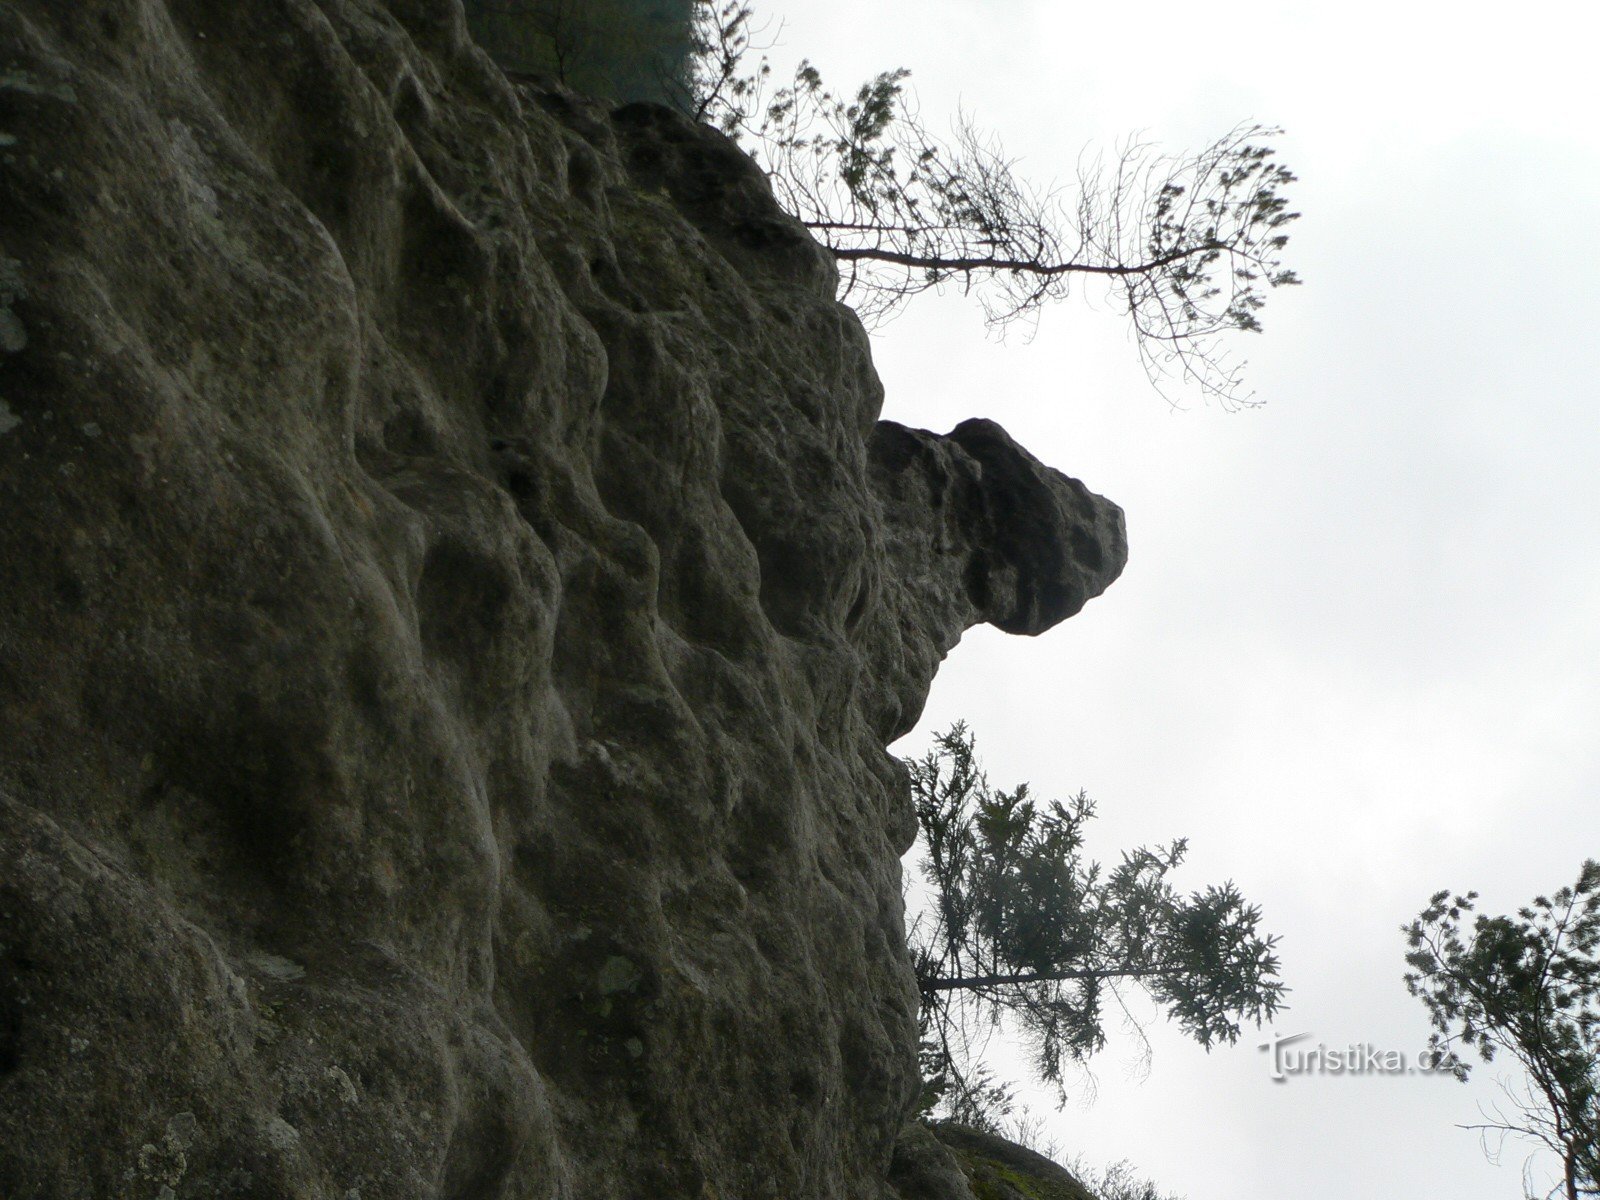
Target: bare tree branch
{"x":1188,"y":245}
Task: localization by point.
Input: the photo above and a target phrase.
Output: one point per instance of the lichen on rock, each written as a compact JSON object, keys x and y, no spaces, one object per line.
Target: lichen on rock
{"x":445,"y":697}
{"x":13,"y":335}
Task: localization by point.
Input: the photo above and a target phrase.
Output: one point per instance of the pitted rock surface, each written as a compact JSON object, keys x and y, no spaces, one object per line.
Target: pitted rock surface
{"x":457,"y":596}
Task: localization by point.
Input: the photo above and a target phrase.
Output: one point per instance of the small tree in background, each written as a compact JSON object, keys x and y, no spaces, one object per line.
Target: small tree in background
{"x":1529,"y":986}
{"x":1021,"y":930}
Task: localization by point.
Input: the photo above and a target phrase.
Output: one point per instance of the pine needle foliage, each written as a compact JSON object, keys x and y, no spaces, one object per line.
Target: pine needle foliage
{"x":1024,"y":932}
{"x":1528,"y":986}
{"x":1187,"y":246}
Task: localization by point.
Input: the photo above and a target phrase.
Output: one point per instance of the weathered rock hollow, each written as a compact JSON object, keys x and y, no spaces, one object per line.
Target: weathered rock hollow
{"x":457,"y":595}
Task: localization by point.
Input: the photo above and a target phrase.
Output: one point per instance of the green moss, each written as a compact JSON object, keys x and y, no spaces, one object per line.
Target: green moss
{"x":998,"y":1170}
{"x":991,"y":1180}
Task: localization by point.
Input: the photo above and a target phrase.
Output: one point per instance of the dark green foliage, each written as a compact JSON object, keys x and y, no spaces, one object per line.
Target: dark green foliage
{"x":1022,"y":927}
{"x":620,"y":50}
{"x":1529,"y":986}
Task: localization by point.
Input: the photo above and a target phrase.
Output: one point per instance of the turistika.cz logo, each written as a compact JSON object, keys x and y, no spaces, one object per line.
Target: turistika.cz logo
{"x":1292,"y":1056}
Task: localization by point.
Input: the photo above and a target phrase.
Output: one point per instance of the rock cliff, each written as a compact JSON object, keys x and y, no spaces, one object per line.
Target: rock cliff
{"x":457,"y":593}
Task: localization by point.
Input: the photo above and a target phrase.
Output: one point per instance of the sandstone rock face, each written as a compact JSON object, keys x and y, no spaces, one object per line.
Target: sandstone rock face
{"x":456,"y":598}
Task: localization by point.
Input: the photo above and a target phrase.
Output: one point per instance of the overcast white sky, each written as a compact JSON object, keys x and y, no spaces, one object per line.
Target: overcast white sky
{"x":1355,"y":656}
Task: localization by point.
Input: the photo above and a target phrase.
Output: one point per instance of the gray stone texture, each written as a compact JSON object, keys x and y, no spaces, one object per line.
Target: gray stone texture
{"x":455,"y":596}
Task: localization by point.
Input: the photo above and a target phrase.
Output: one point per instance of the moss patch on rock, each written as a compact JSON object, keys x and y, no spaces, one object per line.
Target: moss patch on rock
{"x":997,"y":1169}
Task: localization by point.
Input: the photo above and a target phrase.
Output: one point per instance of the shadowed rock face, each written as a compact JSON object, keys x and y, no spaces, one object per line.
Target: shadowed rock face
{"x":457,"y":594}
